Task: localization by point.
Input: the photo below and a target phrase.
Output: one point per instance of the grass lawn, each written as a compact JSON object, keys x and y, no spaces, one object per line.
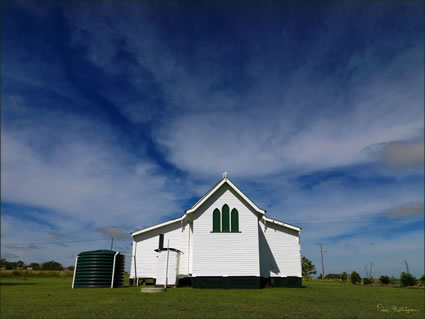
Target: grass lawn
{"x":44,"y":297}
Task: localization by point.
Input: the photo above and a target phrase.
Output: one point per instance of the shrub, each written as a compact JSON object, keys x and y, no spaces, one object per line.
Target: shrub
{"x":385,"y":280}
{"x":333,"y":276}
{"x":408,"y":279}
{"x":368,"y":281}
{"x":422,"y":280}
{"x":355,"y":277}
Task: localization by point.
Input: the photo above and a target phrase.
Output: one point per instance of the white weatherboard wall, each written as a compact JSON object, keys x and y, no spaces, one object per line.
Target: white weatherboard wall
{"x":146,"y":243}
{"x":173,"y":266}
{"x":225,"y":254}
{"x":280,"y":252}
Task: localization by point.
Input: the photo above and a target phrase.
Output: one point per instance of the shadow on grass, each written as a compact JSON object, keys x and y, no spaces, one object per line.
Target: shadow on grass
{"x":16,"y":283}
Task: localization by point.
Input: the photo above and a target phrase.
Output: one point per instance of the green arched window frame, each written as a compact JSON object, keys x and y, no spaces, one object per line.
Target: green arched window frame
{"x":235,"y":220}
{"x":216,"y":221}
{"x":225,"y":219}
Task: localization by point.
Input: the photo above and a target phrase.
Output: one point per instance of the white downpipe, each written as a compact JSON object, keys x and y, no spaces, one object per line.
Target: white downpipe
{"x":113,"y":270}
{"x":188,"y":249}
{"x":75,"y":271}
{"x":166,"y":268}
{"x":135,"y":273}
{"x":134,"y":261}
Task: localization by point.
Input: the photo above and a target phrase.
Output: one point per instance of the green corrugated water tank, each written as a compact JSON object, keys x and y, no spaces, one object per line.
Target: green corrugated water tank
{"x":95,"y":269}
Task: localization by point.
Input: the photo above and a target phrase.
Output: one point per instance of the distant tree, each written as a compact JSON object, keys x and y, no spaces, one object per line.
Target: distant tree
{"x":35,"y":266}
{"x":20,"y":264}
{"x":385,"y":280}
{"x":408,"y":279}
{"x":70,"y":268}
{"x":355,"y":277}
{"x":307,"y":267}
{"x":3,"y":263}
{"x":51,"y":265}
{"x":344,"y":276}
{"x":11,"y":265}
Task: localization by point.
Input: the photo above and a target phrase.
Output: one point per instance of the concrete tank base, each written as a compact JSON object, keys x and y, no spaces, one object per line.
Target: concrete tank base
{"x":153,"y":290}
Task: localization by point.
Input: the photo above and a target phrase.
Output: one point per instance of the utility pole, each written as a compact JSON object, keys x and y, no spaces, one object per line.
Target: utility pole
{"x":407,"y":266}
{"x":321,"y":255}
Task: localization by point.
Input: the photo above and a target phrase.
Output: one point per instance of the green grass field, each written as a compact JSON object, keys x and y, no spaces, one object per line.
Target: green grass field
{"x":52,"y":297}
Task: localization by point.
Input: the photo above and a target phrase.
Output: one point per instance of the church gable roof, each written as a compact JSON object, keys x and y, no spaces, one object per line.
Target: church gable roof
{"x":223,"y":181}
{"x":208,"y":195}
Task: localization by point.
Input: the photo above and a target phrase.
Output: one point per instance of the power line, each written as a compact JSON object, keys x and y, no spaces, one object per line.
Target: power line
{"x":330,"y":222}
{"x":337,"y":220}
{"x":347,"y":217}
{"x":350,"y":216}
{"x":53,"y":242}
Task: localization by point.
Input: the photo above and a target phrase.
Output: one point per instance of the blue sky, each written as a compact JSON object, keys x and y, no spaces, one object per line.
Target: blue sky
{"x":119,"y":115}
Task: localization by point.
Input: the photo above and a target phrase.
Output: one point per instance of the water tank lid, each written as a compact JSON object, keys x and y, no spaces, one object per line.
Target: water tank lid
{"x":98,"y":252}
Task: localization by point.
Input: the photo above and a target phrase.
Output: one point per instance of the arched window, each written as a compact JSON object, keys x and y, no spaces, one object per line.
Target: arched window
{"x":216,"y":221}
{"x":225,"y":222}
{"x":235,"y":220}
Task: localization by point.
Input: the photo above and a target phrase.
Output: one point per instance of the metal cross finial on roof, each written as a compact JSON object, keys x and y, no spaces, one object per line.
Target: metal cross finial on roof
{"x":225,"y":174}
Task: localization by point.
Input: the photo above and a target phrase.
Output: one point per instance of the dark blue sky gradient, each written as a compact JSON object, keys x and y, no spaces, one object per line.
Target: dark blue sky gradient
{"x":123,"y":114}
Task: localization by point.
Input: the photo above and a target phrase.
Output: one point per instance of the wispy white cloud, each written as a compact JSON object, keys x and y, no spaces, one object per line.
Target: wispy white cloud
{"x":275,"y":135}
{"x":75,"y":168}
{"x":336,"y":207}
{"x":271,"y":127}
{"x":30,"y":241}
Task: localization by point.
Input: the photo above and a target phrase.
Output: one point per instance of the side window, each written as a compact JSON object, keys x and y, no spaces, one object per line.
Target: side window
{"x":161,"y":241}
{"x":235,"y":220}
{"x":216,"y":221}
{"x":225,"y":219}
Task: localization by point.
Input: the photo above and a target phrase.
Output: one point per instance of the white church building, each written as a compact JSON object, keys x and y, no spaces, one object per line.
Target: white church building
{"x":223,"y":241}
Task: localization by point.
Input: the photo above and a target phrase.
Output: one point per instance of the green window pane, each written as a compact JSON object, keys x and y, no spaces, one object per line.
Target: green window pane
{"x":225,"y":223}
{"x":235,"y":220}
{"x":216,"y":221}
